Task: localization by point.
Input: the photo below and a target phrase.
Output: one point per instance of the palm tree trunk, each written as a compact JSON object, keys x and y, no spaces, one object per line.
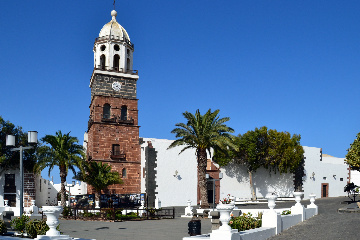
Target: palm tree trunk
{"x":97,"y":197}
{"x":202,"y":162}
{"x":63,"y":191}
{"x":253,"y":194}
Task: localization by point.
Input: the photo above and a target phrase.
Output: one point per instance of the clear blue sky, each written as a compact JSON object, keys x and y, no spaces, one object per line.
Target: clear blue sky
{"x":289,"y":65}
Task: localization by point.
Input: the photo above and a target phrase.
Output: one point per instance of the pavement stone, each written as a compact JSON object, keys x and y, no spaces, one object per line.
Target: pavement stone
{"x":131,"y":230}
{"x":329,"y":224}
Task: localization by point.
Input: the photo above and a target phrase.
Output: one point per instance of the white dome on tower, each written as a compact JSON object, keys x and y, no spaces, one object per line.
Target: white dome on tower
{"x":113,"y":29}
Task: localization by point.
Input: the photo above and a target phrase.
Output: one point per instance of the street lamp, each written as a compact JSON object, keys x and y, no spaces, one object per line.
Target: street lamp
{"x":10,"y":142}
{"x":69,"y":186}
{"x":214,"y":180}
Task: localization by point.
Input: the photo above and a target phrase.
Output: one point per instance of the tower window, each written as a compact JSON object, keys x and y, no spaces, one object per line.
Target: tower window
{"x":106,"y":111}
{"x":9,"y":183}
{"x":116,"y":47}
{"x":102,"y":62}
{"x":128,"y":52}
{"x":123,"y":173}
{"x":123,"y":113}
{"x":116,"y":62}
{"x":116,"y":149}
{"x":103,"y":47}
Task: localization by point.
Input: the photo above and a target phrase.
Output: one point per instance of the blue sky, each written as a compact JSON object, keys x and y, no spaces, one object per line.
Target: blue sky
{"x":289,"y":65}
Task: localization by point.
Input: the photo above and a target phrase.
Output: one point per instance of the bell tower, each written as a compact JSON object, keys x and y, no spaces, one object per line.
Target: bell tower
{"x":113,"y":130}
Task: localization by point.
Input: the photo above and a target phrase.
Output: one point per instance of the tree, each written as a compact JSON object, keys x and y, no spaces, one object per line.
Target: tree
{"x":276,"y":151}
{"x":353,"y":155}
{"x":203,"y":132}
{"x":99,"y":176}
{"x":11,"y":159}
{"x":62,"y":151}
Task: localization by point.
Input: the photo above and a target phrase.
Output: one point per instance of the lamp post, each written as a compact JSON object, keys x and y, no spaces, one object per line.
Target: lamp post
{"x":69,"y":186}
{"x":213,"y":181}
{"x":10,"y":142}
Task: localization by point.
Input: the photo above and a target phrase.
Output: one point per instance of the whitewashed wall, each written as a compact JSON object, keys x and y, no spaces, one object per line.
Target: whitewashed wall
{"x":173,"y":190}
{"x":46,"y":193}
{"x":326,"y":170}
{"x":17,"y":183}
{"x":79,"y":188}
{"x":355,"y":177}
{"x":176,"y":190}
{"x":236,"y":182}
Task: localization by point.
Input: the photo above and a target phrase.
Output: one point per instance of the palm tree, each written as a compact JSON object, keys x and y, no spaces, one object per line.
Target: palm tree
{"x":99,"y":176}
{"x":203,"y":132}
{"x":62,"y":151}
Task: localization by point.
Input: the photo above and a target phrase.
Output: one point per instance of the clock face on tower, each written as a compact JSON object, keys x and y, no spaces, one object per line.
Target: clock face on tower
{"x":116,"y":86}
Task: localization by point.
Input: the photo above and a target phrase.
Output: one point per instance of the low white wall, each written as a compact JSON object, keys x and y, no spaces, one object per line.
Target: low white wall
{"x":309,"y":212}
{"x":290,"y":220}
{"x":258,"y":233}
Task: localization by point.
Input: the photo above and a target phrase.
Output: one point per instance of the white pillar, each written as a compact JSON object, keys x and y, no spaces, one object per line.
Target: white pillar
{"x":312,"y":203}
{"x":270,"y":217}
{"x":298,"y":208}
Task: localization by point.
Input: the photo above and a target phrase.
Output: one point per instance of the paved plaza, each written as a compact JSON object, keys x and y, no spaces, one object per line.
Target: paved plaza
{"x":329,"y":224}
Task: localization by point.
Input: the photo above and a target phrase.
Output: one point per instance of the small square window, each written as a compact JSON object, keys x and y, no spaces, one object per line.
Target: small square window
{"x":324,"y":178}
{"x":341,"y":179}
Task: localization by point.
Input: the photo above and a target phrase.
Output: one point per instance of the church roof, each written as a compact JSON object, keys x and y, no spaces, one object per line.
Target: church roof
{"x":113,"y":29}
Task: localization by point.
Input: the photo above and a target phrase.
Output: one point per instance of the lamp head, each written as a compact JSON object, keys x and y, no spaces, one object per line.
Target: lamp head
{"x":32,"y":137}
{"x":10,"y":140}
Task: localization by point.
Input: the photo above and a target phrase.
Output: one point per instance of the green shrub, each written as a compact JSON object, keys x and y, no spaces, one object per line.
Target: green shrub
{"x":245,"y":222}
{"x":36,"y":227}
{"x":286,"y":212}
{"x":88,"y":214}
{"x":109,"y":214}
{"x":153,"y":211}
{"x":18,"y":224}
{"x":3,"y":228}
{"x":132,"y":214}
{"x":67,"y":212}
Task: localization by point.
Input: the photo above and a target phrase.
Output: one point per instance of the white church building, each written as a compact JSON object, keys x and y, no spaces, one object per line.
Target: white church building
{"x":172,"y":178}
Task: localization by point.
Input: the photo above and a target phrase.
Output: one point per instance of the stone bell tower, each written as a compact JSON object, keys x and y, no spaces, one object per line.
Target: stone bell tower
{"x":113,"y":130}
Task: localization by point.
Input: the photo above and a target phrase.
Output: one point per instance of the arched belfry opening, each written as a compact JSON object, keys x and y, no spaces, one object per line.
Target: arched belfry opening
{"x":116,"y":62}
{"x":102,"y":62}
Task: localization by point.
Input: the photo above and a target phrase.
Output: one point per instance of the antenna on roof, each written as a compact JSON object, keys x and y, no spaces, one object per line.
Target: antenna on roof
{"x":114,"y":4}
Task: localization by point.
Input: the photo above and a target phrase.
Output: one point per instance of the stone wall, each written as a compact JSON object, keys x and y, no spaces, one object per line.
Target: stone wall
{"x":101,"y":85}
{"x":102,"y":135}
{"x":29,"y":188}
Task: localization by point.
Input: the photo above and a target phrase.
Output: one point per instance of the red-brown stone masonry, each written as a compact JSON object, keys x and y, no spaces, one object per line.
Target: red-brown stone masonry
{"x":97,"y":103}
{"x":132,"y":182}
{"x":29,"y":188}
{"x":101,"y":137}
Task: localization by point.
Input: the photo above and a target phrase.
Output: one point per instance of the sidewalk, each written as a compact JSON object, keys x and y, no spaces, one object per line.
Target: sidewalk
{"x":166,"y":229}
{"x":329,"y":224}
